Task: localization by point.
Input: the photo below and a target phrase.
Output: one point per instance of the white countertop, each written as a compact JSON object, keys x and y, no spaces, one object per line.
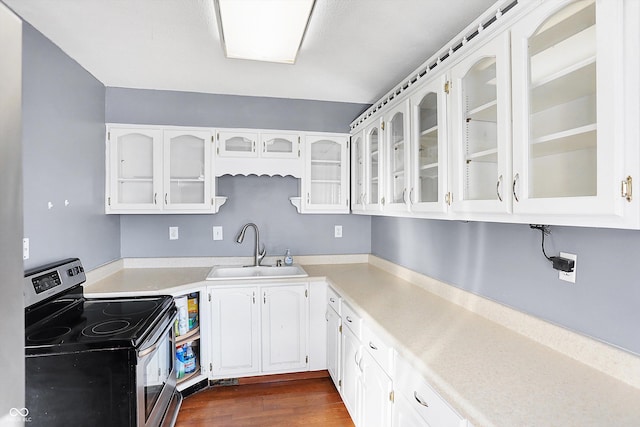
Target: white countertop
{"x":490,"y":374}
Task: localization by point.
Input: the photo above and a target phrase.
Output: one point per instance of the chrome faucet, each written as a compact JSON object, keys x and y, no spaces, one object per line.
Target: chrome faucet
{"x":259,"y":255}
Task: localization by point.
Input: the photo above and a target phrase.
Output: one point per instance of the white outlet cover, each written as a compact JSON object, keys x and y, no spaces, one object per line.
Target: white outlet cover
{"x":569,"y":277}
{"x":337,"y":231}
{"x":173,"y":233}
{"x":217,"y":232}
{"x":25,"y":248}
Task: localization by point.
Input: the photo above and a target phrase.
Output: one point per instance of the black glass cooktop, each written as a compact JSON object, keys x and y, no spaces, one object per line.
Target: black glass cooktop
{"x":94,"y":323}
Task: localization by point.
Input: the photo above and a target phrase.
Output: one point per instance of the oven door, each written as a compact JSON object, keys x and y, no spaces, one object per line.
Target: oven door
{"x":155,"y":373}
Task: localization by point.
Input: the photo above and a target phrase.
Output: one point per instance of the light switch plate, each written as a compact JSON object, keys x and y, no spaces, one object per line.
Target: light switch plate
{"x":566,"y":276}
{"x":173,"y":233}
{"x":217,"y":232}
{"x":337,"y":231}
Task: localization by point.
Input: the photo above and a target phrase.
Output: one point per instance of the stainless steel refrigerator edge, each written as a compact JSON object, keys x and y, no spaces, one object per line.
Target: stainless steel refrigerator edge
{"x":12,"y":393}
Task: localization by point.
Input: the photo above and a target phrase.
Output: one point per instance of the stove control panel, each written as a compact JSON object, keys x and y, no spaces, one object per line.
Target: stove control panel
{"x":49,"y":280}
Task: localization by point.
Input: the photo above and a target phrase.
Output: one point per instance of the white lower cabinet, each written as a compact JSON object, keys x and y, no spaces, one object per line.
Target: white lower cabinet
{"x":235,"y":331}
{"x":404,"y":415}
{"x":377,"y":393}
{"x":351,"y":385}
{"x":334,"y":328}
{"x":260,"y":329}
{"x":285,"y":312}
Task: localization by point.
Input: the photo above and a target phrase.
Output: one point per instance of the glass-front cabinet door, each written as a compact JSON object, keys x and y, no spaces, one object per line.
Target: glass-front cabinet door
{"x":429,"y":148}
{"x":357,"y":172}
{"x":373,"y":197}
{"x":187,"y":180}
{"x":237,"y":144}
{"x":326,"y":174}
{"x":280,"y":145}
{"x":565,"y":63}
{"x":135,"y":169}
{"x":397,"y":152}
{"x":481,"y":130}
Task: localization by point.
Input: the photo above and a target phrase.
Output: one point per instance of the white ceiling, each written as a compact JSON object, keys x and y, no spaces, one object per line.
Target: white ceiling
{"x":354,"y":50}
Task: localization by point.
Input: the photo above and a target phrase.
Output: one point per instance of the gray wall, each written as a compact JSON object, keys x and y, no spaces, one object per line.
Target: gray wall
{"x":504,"y":262}
{"x":63,"y":158}
{"x":11,"y":300}
{"x":263,"y":200}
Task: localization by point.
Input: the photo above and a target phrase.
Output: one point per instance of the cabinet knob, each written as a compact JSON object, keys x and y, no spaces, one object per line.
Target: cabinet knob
{"x":349,"y":319}
{"x":515,"y":183}
{"x":419,"y":399}
{"x":371,"y":346}
{"x":498,"y":185}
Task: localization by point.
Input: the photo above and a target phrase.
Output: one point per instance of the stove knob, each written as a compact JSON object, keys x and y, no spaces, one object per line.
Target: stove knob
{"x":70,"y":272}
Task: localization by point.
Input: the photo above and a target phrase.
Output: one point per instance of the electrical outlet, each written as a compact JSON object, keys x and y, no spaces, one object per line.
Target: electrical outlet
{"x":25,"y":248}
{"x":337,"y":233}
{"x":217,"y":232}
{"x":173,"y":233}
{"x":569,"y":276}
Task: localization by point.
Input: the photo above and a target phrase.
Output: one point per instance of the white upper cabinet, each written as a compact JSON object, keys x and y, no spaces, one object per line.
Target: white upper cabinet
{"x":325,"y":186}
{"x":155,"y":170}
{"x":280,"y":145}
{"x":237,"y":144}
{"x":357,"y":172}
{"x":258,"y":152}
{"x":134,"y":172}
{"x":373,"y":195}
{"x":568,"y":76}
{"x":187,"y":180}
{"x":396,"y":151}
{"x":428,"y":148}
{"x":481,"y":130}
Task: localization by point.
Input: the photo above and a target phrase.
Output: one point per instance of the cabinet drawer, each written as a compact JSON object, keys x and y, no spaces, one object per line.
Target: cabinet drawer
{"x":333,"y":299}
{"x":431,"y":407}
{"x":380,"y":350}
{"x":352,"y":320}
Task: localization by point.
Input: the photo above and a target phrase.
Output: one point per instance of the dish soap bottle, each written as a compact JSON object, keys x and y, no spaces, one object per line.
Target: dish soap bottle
{"x":288,"y":259}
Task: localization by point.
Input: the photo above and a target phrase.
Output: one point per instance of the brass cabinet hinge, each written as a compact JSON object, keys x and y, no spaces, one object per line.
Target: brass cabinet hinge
{"x":626,"y":190}
{"x":218,"y":136}
{"x":339,"y":383}
{"x":218,"y":150}
{"x":448,"y":198}
{"x":391,"y":396}
{"x":447,"y":87}
{"x":382,"y":125}
{"x":340,"y":329}
{"x":306,"y":359}
{"x":212,"y":138}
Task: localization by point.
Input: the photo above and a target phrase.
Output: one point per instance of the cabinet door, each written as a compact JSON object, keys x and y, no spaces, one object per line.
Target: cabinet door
{"x":373,"y":194}
{"x":135,"y":169}
{"x":404,"y":415}
{"x":187,"y":170}
{"x":237,"y":144}
{"x":351,"y":386}
{"x":280,"y":145}
{"x":376,"y":395}
{"x":481,"y":130}
{"x":357,"y":172}
{"x":565,"y":63}
{"x":326,"y":175}
{"x":285,"y":311}
{"x":396,"y":146}
{"x":334,"y":323}
{"x":429,"y":148}
{"x":235,"y":331}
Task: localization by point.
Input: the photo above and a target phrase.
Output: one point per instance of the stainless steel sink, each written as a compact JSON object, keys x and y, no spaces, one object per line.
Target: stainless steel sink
{"x":253,"y":272}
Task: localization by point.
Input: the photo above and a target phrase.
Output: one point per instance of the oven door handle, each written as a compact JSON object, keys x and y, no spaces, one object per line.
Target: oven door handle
{"x":166,"y":325}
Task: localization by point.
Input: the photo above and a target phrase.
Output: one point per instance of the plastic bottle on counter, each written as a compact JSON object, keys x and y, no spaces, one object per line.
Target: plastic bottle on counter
{"x":288,"y":259}
{"x":189,"y":359}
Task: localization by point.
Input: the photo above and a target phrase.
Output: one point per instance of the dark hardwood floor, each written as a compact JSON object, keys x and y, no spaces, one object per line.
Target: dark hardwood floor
{"x":301,"y":402}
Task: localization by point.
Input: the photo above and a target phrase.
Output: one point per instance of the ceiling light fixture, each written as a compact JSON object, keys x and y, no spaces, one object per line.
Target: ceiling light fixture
{"x":263,"y":30}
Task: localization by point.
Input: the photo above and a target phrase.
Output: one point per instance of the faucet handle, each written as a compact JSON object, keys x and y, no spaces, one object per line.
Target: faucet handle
{"x":262,"y":253}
